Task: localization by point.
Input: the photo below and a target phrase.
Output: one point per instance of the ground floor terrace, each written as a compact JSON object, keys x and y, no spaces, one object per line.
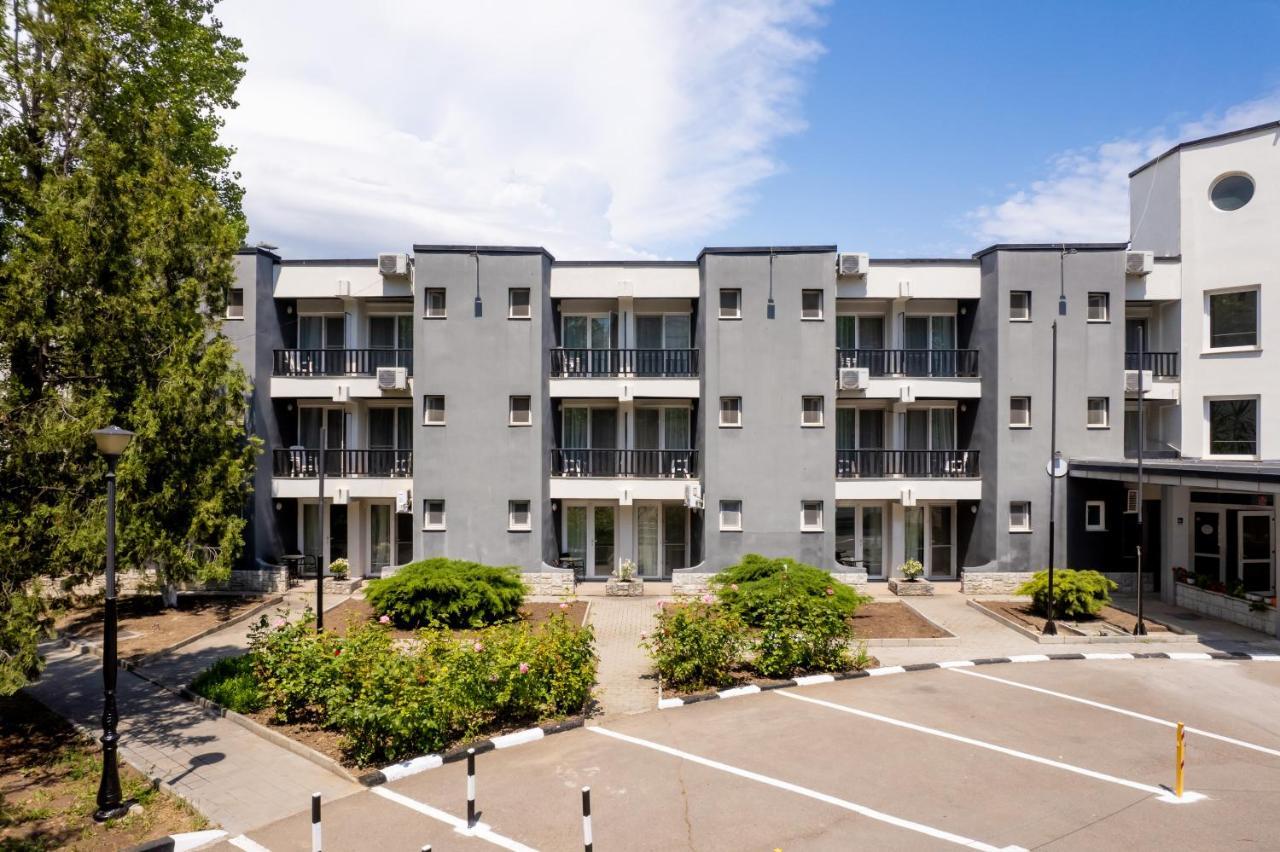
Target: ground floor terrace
{"x":374,"y":534}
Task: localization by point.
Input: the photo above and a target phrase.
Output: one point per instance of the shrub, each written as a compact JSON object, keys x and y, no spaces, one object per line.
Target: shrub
{"x":340,"y":568}
{"x":697,"y":645}
{"x":231,"y":682}
{"x":912,"y":569}
{"x":448,"y":593}
{"x":802,"y":633}
{"x":294,"y":665}
{"x":1076,"y":594}
{"x":752,"y":586}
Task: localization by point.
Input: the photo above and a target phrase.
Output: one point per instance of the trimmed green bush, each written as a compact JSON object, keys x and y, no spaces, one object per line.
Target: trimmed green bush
{"x":231,"y":682}
{"x":448,"y":593}
{"x":697,"y":645}
{"x":1076,"y":594}
{"x":752,"y":587}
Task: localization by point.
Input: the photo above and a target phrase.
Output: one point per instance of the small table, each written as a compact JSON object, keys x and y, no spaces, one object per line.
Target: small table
{"x":297,"y":564}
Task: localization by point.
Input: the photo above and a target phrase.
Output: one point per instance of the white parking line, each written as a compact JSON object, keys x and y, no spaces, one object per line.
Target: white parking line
{"x":1159,"y":792}
{"x":1144,"y":717}
{"x":481,"y":831}
{"x":812,"y":794}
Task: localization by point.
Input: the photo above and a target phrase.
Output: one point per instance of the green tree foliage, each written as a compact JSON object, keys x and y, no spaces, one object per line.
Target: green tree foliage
{"x":1076,"y":594}
{"x":119,"y":219}
{"x":448,"y":593}
{"x":753,"y":585}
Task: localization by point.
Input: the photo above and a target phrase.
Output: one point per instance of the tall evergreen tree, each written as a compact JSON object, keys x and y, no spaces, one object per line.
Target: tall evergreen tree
{"x":119,"y":220}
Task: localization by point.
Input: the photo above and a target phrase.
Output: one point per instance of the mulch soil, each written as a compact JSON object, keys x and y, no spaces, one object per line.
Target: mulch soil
{"x":893,"y":620}
{"x":49,"y":782}
{"x":357,"y":611}
{"x":1110,"y":621}
{"x":147,"y":627}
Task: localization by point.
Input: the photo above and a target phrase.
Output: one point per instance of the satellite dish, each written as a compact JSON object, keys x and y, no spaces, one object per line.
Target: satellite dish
{"x":1056,"y":467}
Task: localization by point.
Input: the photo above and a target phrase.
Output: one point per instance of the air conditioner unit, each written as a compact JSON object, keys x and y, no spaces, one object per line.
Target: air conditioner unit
{"x":393,"y":378}
{"x":404,"y":502}
{"x":1138,"y":262}
{"x":344,"y":287}
{"x":853,"y":263}
{"x":693,"y":496}
{"x":341,"y":393}
{"x":1132,"y":377}
{"x":1131,"y":501}
{"x":854,"y":378}
{"x":393,"y":264}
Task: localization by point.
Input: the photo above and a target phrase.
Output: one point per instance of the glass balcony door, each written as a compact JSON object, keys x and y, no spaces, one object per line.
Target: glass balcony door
{"x":930,"y":538}
{"x":860,"y":538}
{"x":321,"y":339}
{"x":934,"y":340}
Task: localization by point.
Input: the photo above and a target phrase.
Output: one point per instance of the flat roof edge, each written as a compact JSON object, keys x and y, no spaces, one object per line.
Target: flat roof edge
{"x":1204,"y":140}
{"x":766,"y":250}
{"x":1050,"y":247}
{"x":420,"y":248}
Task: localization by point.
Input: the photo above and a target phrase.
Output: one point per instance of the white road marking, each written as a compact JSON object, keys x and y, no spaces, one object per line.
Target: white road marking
{"x":405,"y":768}
{"x":886,"y":670}
{"x":750,"y":689}
{"x":1161,"y":793}
{"x":1153,"y":719}
{"x":1265,"y":658}
{"x":810,"y":680}
{"x":805,"y":791}
{"x":243,"y":842}
{"x":481,"y":830}
{"x":190,"y":840}
{"x":518,"y":738}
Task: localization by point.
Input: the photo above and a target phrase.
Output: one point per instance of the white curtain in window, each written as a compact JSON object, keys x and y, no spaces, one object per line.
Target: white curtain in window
{"x":677,"y":334}
{"x":647,"y":540}
{"x":575,"y":428}
{"x":944,"y":428}
{"x":845,"y":435}
{"x":647,"y":433}
{"x":677,"y":429}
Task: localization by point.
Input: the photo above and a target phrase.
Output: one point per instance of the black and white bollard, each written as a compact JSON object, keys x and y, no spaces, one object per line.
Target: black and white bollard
{"x":471,"y":787}
{"x":586,"y":819}
{"x":315,"y":822}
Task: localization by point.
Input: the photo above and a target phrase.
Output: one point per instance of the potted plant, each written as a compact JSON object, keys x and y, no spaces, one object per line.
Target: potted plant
{"x":623,"y":582}
{"x":912,"y":570}
{"x":625,"y":572}
{"x":911,"y":582}
{"x":339,"y":569}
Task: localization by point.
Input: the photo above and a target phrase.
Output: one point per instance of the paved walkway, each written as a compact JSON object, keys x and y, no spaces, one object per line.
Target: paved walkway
{"x":625,"y":677}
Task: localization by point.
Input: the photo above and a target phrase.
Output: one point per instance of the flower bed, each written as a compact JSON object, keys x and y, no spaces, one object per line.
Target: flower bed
{"x":1254,"y":615}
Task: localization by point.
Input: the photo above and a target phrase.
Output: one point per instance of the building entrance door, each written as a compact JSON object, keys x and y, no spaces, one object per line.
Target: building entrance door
{"x":1255,"y":535}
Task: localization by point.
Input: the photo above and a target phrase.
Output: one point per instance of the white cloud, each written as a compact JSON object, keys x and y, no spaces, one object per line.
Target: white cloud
{"x":1086,"y":195}
{"x":595,"y":129}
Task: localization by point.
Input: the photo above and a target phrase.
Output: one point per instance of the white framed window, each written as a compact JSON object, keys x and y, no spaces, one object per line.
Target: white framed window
{"x":811,"y":516}
{"x":811,"y":411}
{"x":1095,"y":515}
{"x":1233,"y":426}
{"x":235,"y":303}
{"x":1099,"y":413}
{"x":1231,"y":191}
{"x":433,"y":514}
{"x":433,"y":410}
{"x":519,"y":516}
{"x":520,"y":411}
{"x":730,"y":303}
{"x":811,"y":304}
{"x":1231,"y":318}
{"x":434,"y":302}
{"x":731,"y":515}
{"x":731,"y":412}
{"x":1020,"y":305}
{"x":1020,"y":516}
{"x":1099,"y":307}
{"x":518,"y":303}
{"x":1019,"y":412}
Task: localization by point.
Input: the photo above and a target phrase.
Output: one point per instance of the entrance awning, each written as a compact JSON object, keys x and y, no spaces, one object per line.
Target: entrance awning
{"x":1261,"y":476}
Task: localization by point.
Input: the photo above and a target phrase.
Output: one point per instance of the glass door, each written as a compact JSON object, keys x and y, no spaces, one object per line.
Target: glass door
{"x":379,"y":537}
{"x":404,"y":538}
{"x":675,"y":532}
{"x":602,"y":548}
{"x":1206,"y":543}
{"x":871,"y":540}
{"x":648,"y":555}
{"x":941,"y":564}
{"x":1254,"y":531}
{"x":575,"y":537}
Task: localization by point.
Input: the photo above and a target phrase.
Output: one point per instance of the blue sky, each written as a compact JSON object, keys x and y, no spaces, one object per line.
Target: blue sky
{"x":655,"y":128}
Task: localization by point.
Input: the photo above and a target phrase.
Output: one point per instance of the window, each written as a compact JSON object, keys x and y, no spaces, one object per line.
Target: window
{"x":1233,"y":318}
{"x":1095,"y":516}
{"x":433,"y":410}
{"x":731,"y":411}
{"x":1231,"y":192}
{"x":1019,"y":516}
{"x":1233,"y":427}
{"x":730,"y":304}
{"x":811,"y":516}
{"x":1099,"y":416}
{"x":810,"y":411}
{"x":1020,"y":305}
{"x":731,"y":515}
{"x":518,"y":303}
{"x":520,"y":412}
{"x":433,"y":514}
{"x":519,"y":516}
{"x":1099,"y":307}
{"x":434,"y":299}
{"x":235,"y":303}
{"x":1019,"y":412}
{"x":811,"y":304}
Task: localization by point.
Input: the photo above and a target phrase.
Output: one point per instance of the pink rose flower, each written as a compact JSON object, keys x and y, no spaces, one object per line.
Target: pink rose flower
{"x":707,"y":599}
{"x":733,"y":586}
{"x":564,"y":606}
{"x":386,"y":619}
{"x":477,"y":647}
{"x":830,"y":591}
{"x":524,"y":668}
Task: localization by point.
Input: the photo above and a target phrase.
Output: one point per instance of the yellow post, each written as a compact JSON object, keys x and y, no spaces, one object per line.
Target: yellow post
{"x":1182,"y":753}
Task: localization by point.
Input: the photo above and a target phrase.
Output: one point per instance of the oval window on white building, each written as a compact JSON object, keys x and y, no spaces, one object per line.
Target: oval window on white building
{"x":1232,"y":192}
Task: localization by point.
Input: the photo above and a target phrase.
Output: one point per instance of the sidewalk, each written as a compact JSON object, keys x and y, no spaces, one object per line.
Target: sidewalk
{"x":625,"y":679}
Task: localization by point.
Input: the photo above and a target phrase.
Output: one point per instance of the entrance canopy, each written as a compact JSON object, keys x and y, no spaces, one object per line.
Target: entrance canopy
{"x":1262,"y":476}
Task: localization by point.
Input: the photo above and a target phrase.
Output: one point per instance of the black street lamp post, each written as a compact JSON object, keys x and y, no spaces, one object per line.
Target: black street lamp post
{"x":111,"y":442}
{"x":1055,"y":458}
{"x":1140,"y":628}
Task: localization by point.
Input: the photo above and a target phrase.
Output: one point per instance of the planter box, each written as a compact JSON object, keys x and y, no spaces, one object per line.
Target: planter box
{"x":624,"y":589}
{"x":1225,"y":607}
{"x":905,"y":588}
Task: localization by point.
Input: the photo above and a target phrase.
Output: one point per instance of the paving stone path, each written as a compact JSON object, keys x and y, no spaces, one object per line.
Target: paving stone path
{"x":626,"y":684}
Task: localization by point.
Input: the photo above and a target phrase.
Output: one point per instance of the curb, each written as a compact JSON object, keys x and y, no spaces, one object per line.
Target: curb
{"x":414,"y":765}
{"x":209,"y":631}
{"x":1175,"y":637}
{"x":931,"y":642}
{"x":180,"y":842}
{"x":812,"y":680}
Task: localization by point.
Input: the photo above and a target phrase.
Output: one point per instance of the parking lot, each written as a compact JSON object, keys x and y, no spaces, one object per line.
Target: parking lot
{"x":1061,"y":755}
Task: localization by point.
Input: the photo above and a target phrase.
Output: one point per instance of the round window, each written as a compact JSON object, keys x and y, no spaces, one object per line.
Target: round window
{"x":1232,"y":192}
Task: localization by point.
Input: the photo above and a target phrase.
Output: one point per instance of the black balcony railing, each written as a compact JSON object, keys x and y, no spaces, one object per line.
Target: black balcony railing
{"x":653,"y":464}
{"x":913,"y":363}
{"x":339,"y":362}
{"x":1163,"y":365}
{"x":672,"y":363}
{"x":304,"y":464}
{"x":916,"y":464}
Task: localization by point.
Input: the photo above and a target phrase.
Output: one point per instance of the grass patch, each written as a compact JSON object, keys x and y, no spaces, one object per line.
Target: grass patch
{"x":231,"y":683}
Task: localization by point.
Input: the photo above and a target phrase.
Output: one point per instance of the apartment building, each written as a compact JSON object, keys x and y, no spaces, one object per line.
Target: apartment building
{"x":497,"y":404}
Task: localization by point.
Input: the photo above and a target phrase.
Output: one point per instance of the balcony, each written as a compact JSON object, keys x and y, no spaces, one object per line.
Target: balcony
{"x":614,"y":363}
{"x":908,"y":475}
{"x":912,"y":363}
{"x":625,"y":464}
{"x":1161,"y":365}
{"x":339,"y":362}
{"x":299,"y":463}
